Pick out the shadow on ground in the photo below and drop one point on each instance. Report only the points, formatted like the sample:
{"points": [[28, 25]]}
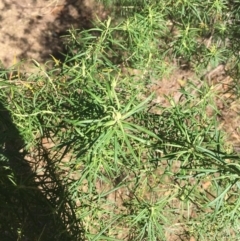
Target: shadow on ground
{"points": [[33, 206], [33, 29]]}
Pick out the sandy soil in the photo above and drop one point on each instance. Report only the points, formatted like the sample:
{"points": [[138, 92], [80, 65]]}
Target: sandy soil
{"points": [[32, 28]]}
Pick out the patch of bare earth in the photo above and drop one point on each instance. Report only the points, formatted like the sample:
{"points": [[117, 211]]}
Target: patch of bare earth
{"points": [[32, 29], [227, 103]]}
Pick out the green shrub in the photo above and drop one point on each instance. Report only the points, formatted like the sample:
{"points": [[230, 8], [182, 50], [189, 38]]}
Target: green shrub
{"points": [[136, 170]]}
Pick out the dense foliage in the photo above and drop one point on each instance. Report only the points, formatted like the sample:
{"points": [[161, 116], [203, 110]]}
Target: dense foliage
{"points": [[123, 166]]}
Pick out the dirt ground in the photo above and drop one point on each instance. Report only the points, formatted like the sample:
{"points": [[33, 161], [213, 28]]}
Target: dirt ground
{"points": [[32, 29]]}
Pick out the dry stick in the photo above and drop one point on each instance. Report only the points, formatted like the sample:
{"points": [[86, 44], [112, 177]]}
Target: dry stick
{"points": [[219, 70]]}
